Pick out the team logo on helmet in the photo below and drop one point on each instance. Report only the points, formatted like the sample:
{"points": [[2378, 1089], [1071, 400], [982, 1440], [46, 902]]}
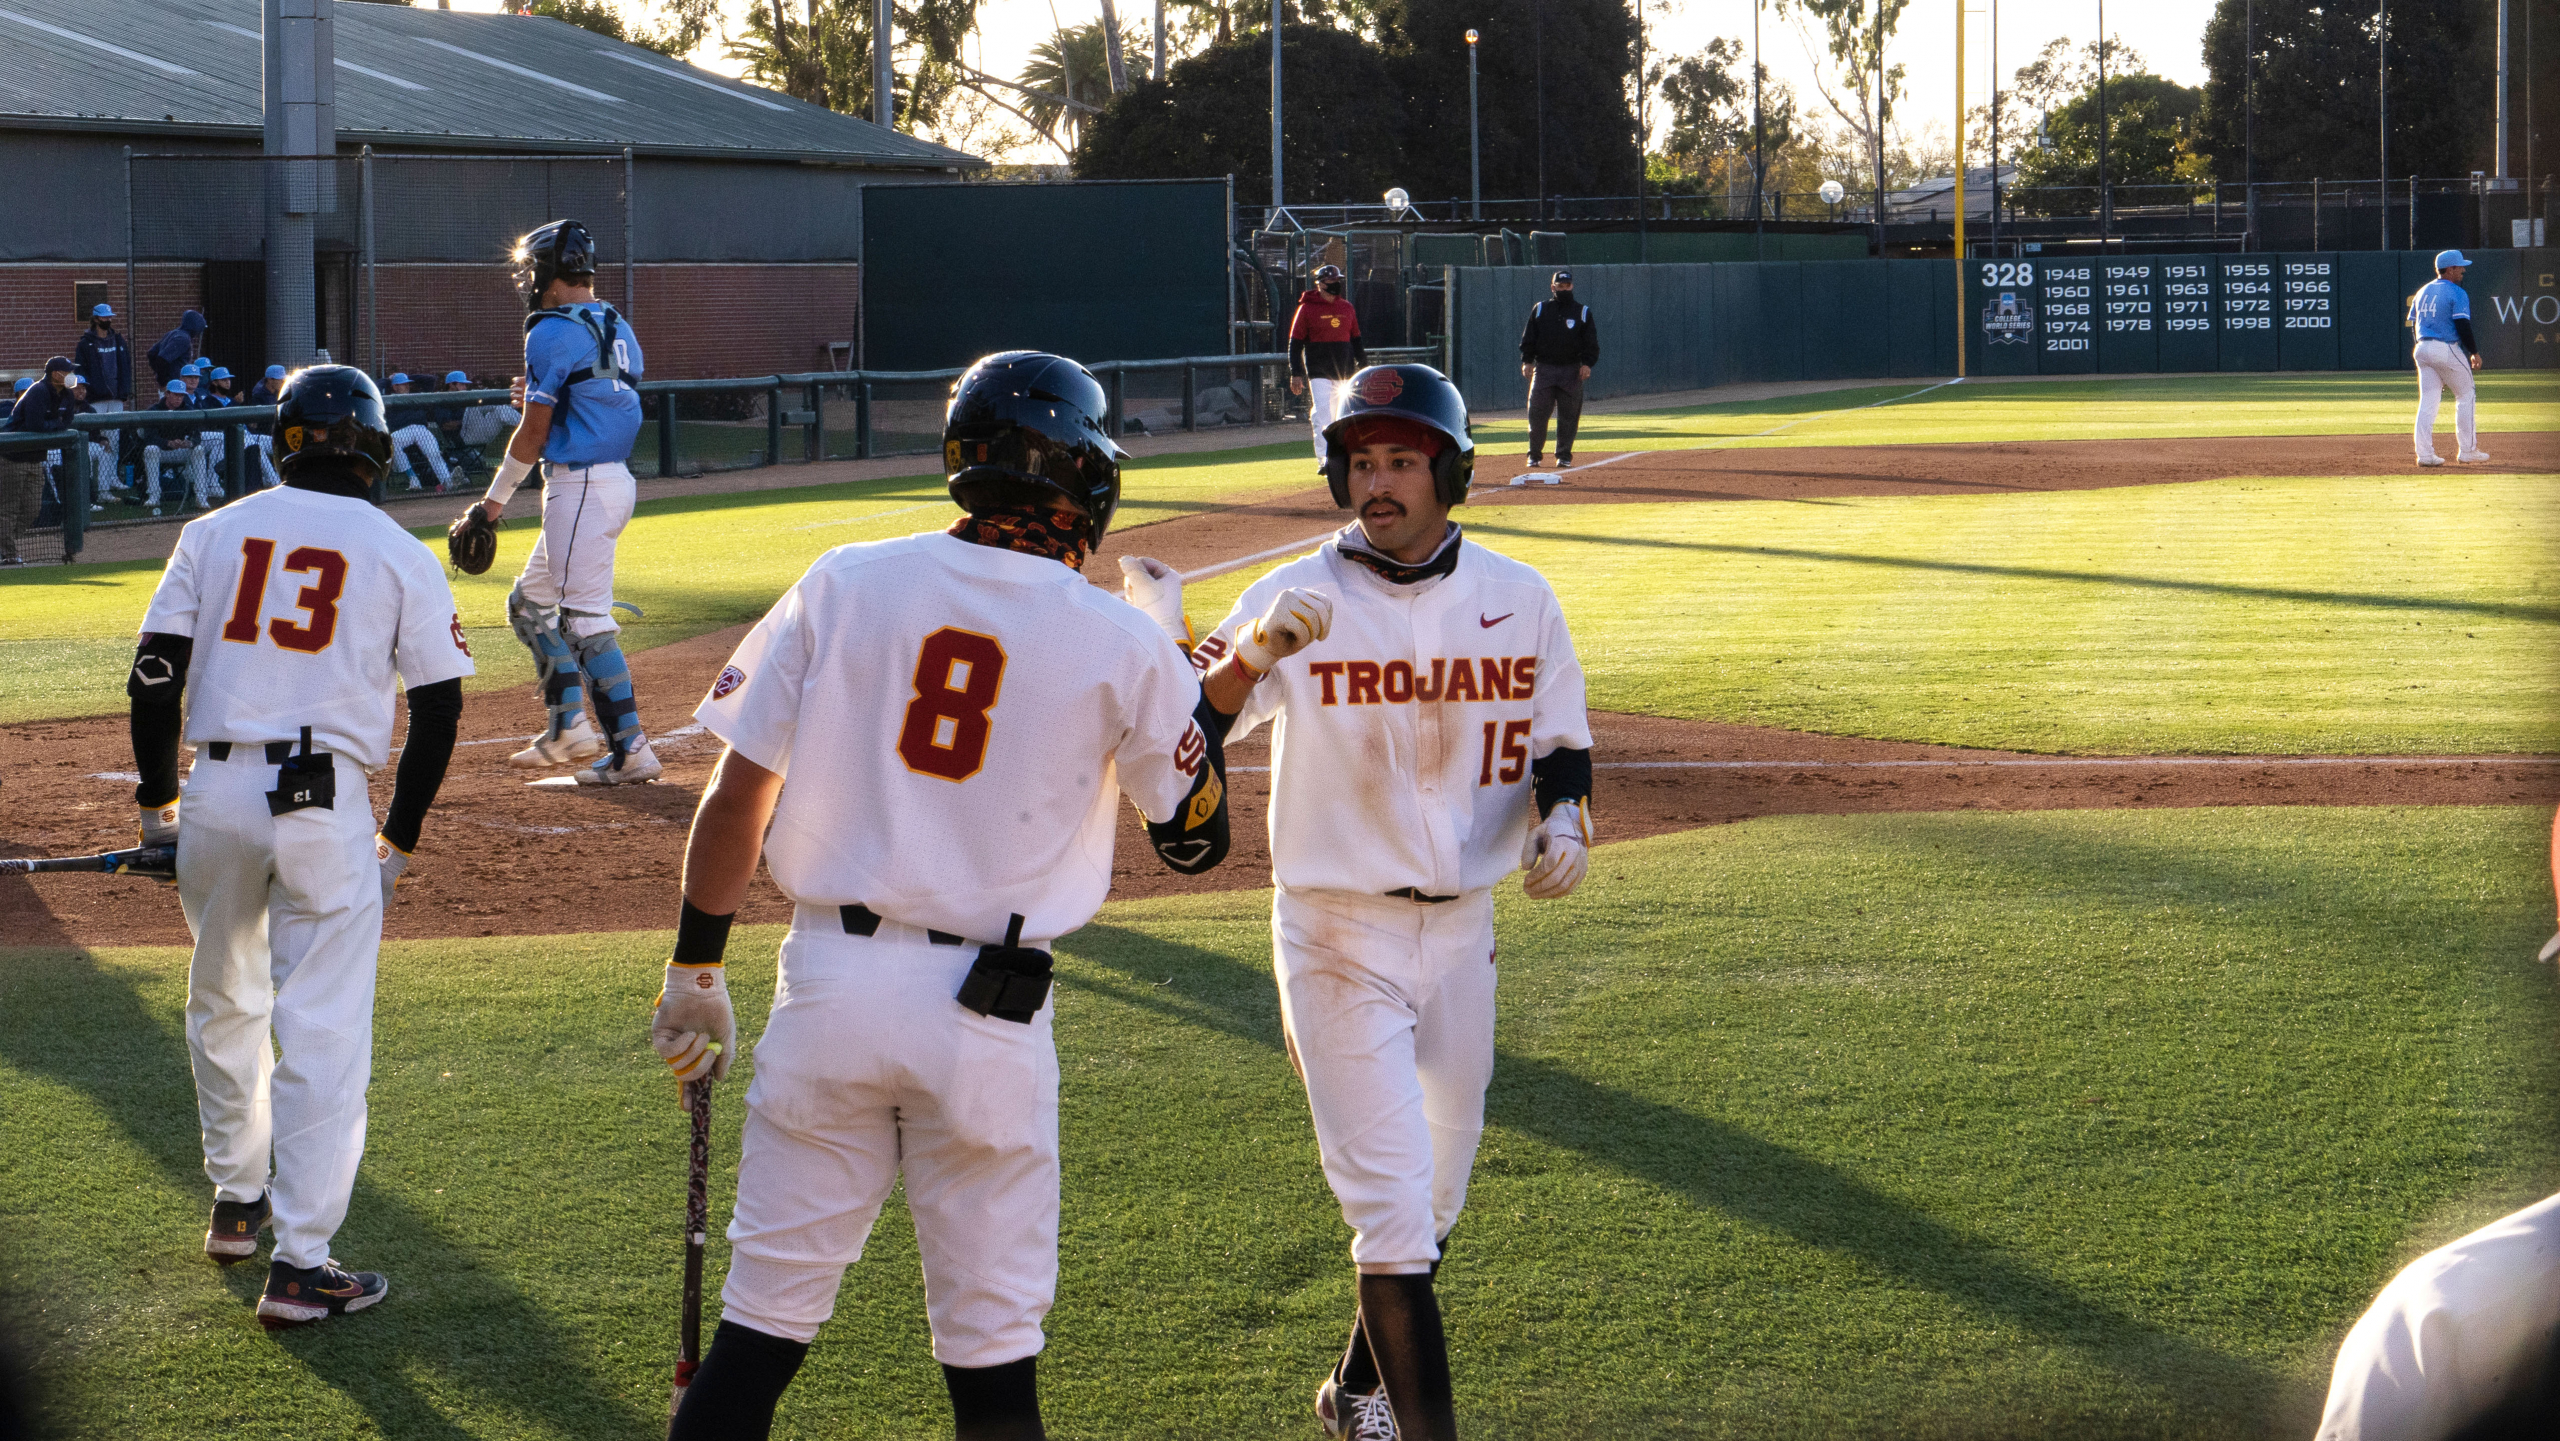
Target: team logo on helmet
{"points": [[292, 438], [1380, 386]]}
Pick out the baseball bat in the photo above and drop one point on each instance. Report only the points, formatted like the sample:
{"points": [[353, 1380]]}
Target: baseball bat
{"points": [[159, 863], [697, 1221]]}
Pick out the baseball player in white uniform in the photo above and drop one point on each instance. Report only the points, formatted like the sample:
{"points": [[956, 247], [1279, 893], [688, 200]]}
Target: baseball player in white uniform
{"points": [[277, 632], [580, 417], [2446, 353], [935, 729], [1429, 735]]}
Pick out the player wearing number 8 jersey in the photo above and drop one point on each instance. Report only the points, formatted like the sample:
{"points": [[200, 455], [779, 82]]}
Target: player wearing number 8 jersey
{"points": [[1429, 729], [277, 632], [928, 736]]}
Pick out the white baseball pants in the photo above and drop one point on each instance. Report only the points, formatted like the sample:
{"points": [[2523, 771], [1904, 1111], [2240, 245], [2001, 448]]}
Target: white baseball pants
{"points": [[1387, 1008], [2442, 366], [870, 1068], [190, 463], [2457, 1333], [423, 440], [584, 508], [1323, 403], [287, 916]]}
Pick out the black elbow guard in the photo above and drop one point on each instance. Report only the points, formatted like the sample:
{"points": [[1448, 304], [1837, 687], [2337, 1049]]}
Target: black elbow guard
{"points": [[1194, 838], [159, 675], [1561, 775]]}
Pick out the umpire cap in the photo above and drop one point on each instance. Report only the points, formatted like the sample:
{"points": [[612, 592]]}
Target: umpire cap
{"points": [[331, 412], [1025, 425], [551, 252], [1416, 393]]}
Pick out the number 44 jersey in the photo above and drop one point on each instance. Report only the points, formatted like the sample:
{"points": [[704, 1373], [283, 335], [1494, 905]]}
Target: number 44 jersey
{"points": [[951, 722], [306, 609]]}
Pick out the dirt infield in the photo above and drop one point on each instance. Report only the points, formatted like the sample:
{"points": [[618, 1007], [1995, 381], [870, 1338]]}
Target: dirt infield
{"points": [[500, 857]]}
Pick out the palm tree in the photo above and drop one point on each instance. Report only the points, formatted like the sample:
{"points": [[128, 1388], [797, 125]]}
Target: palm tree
{"points": [[1069, 64]]}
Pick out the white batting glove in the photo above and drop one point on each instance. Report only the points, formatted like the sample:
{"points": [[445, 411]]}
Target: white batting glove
{"points": [[158, 825], [394, 861], [1298, 618], [695, 1028], [1156, 588], [1558, 853]]}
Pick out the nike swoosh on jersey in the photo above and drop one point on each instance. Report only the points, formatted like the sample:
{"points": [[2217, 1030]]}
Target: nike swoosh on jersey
{"points": [[1497, 620]]}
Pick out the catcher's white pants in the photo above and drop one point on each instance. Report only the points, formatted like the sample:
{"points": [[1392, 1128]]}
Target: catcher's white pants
{"points": [[423, 439], [287, 916], [190, 463], [584, 508], [2461, 1330], [1324, 398], [868, 1068], [1387, 1007], [2442, 366]]}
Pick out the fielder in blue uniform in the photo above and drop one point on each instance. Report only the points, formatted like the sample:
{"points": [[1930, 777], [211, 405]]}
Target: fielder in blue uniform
{"points": [[2446, 354], [580, 417]]}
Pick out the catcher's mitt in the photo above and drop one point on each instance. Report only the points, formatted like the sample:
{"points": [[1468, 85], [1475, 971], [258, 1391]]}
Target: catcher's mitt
{"points": [[473, 541]]}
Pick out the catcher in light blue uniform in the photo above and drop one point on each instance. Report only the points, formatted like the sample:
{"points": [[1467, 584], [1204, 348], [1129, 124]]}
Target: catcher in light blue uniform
{"points": [[580, 418], [2446, 354]]}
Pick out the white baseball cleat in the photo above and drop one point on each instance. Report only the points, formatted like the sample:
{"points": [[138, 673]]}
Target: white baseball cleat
{"points": [[2431, 460], [630, 769], [2472, 457], [577, 743]]}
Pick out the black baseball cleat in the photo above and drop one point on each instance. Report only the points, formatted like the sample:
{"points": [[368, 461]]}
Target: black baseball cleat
{"points": [[232, 1236], [297, 1297], [1563, 460], [1354, 1415]]}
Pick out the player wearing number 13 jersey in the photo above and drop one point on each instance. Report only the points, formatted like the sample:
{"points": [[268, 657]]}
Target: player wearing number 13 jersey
{"points": [[937, 728], [278, 633]]}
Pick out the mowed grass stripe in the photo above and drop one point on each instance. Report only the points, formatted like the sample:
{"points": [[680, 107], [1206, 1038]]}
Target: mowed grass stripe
{"points": [[2099, 1124], [2273, 616]]}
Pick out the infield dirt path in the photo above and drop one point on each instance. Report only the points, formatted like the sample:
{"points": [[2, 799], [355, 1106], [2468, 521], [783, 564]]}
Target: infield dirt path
{"points": [[503, 858]]}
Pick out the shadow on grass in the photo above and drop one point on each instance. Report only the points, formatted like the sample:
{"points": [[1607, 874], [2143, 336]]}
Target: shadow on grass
{"points": [[1716, 1166], [451, 1319], [2494, 609]]}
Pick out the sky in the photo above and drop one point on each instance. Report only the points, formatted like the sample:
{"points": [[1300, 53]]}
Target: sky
{"points": [[2167, 34]]}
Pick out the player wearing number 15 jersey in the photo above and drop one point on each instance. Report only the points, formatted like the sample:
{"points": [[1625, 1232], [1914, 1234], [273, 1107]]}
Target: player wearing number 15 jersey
{"points": [[936, 729], [278, 632]]}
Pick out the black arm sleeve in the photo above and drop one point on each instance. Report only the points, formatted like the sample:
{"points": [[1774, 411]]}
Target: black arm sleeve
{"points": [[1359, 353], [2462, 332], [1561, 775], [157, 682], [1529, 338], [1194, 838], [1590, 338], [1298, 358], [435, 712]]}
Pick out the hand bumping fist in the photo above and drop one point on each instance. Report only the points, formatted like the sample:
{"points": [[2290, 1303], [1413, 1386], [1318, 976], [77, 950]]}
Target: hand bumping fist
{"points": [[1156, 588], [1298, 618]]}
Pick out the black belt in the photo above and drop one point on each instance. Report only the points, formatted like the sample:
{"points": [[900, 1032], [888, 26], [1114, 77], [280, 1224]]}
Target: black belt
{"points": [[1409, 893], [278, 752], [864, 921]]}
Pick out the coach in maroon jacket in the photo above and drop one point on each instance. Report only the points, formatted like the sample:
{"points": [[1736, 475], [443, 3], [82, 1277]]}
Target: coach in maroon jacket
{"points": [[1324, 349]]}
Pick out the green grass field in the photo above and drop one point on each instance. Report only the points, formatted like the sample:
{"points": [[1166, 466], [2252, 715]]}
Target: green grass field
{"points": [[2089, 1124]]}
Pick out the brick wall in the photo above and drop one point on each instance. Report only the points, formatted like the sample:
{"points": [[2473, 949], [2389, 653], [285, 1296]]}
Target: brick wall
{"points": [[695, 320], [37, 319]]}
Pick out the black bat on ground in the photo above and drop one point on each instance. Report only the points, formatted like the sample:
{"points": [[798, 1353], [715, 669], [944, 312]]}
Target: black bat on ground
{"points": [[697, 1222], [159, 863]]}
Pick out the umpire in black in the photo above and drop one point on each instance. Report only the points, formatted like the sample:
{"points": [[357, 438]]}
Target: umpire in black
{"points": [[1558, 347]]}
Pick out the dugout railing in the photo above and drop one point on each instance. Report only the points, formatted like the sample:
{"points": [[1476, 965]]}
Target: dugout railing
{"points": [[696, 426]]}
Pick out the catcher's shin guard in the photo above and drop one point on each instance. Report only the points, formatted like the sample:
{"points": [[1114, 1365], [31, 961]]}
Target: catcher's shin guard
{"points": [[600, 656], [563, 694]]}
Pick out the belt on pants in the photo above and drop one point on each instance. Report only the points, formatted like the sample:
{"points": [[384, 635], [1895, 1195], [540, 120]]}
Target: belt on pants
{"points": [[277, 752], [860, 920], [1410, 893]]}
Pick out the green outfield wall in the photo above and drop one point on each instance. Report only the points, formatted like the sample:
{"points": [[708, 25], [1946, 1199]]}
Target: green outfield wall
{"points": [[1688, 327]]}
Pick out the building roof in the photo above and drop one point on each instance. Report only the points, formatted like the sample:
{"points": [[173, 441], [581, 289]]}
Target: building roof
{"points": [[411, 77]]}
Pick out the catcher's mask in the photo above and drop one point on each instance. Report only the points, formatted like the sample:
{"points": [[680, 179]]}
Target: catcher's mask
{"points": [[331, 412], [559, 250], [1416, 393], [1024, 426]]}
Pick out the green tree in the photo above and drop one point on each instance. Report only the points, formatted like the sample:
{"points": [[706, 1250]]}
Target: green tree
{"points": [[1064, 81], [1211, 115], [823, 54], [2317, 111], [1857, 35], [2150, 128], [1586, 52], [1707, 146], [688, 21]]}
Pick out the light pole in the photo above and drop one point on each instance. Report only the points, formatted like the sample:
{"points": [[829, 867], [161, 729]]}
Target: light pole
{"points": [[1275, 110], [2106, 206], [1880, 128], [1759, 237], [2382, 120], [1475, 139]]}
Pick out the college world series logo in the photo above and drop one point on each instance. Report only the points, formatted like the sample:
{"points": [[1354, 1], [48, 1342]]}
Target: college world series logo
{"points": [[2007, 322]]}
